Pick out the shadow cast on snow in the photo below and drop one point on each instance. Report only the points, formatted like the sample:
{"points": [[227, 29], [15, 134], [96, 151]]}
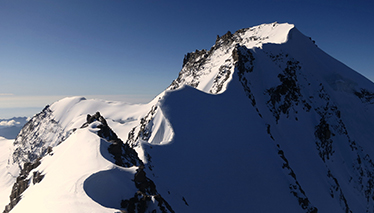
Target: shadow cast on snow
{"points": [[109, 187]]}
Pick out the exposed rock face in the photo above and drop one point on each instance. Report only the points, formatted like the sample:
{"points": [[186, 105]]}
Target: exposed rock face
{"points": [[365, 96], [295, 93], [143, 198], [283, 134], [287, 94], [201, 64], [23, 182], [41, 132], [34, 141], [126, 156], [244, 60], [198, 65], [295, 186], [122, 153]]}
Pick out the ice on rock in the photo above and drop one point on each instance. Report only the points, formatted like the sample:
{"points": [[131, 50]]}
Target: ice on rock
{"points": [[264, 121]]}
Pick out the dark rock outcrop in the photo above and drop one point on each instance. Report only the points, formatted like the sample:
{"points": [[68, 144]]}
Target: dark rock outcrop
{"points": [[123, 154], [295, 187], [365, 96], [41, 132], [287, 94], [22, 183], [146, 190]]}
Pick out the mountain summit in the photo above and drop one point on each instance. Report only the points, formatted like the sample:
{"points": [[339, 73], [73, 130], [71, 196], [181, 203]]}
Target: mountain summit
{"points": [[264, 121]]}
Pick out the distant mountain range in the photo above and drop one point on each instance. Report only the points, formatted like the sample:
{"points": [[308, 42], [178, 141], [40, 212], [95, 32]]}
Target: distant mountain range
{"points": [[9, 128], [264, 121]]}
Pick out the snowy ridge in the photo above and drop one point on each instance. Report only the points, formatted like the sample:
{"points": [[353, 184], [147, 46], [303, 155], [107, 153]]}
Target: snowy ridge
{"points": [[264, 121], [66, 171], [210, 71], [159, 129], [61, 123], [56, 122]]}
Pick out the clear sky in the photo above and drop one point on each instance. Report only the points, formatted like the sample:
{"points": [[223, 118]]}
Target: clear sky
{"points": [[131, 50]]}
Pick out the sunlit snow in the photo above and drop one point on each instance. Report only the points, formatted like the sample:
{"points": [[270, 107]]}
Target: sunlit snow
{"points": [[264, 122]]}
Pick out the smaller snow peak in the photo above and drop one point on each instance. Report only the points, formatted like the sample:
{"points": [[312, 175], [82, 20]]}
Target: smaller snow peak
{"points": [[66, 103], [36, 136], [105, 131], [95, 117], [74, 99], [123, 155]]}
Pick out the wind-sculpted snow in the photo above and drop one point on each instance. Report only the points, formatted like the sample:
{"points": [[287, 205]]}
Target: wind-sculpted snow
{"points": [[264, 121], [305, 99], [229, 155], [157, 129], [108, 187], [48, 130], [72, 162], [146, 197]]}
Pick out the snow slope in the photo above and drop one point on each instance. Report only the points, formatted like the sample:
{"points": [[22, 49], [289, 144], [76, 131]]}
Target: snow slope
{"points": [[74, 159], [6, 177], [264, 121], [66, 171], [220, 161]]}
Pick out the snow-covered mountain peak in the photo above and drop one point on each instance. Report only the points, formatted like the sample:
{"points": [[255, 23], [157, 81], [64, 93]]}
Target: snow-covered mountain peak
{"points": [[255, 37], [264, 121], [210, 71]]}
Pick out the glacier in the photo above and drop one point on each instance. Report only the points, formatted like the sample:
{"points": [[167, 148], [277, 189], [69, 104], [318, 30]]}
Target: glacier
{"points": [[264, 121]]}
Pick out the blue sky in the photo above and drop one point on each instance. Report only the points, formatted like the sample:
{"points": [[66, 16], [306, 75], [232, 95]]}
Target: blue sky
{"points": [[132, 50]]}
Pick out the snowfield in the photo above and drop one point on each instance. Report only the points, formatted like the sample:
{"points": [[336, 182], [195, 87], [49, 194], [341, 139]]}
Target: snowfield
{"points": [[72, 174], [264, 121], [6, 176]]}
